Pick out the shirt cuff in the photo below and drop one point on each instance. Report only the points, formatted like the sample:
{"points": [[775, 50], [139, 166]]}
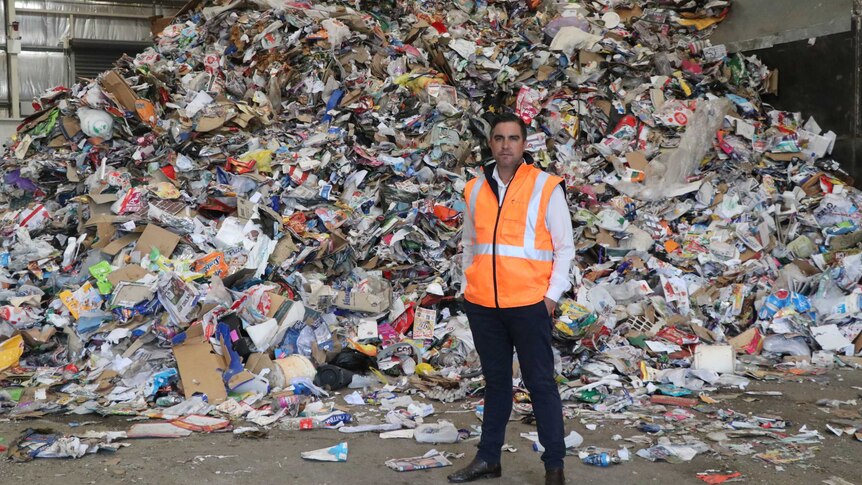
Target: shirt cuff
{"points": [[554, 293]]}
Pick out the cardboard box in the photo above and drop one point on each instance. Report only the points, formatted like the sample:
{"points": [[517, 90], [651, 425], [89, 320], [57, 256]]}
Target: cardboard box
{"points": [[376, 300]]}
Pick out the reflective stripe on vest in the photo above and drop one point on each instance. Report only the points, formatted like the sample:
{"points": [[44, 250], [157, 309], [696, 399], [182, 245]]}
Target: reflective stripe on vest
{"points": [[514, 252]]}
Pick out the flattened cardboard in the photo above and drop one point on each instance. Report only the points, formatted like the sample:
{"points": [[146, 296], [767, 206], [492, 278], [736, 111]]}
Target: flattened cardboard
{"points": [[158, 24], [117, 245], [637, 161], [101, 199], [210, 123], [104, 233], [749, 342], [812, 185], [284, 249], [72, 173], [605, 238], [35, 337], [245, 209], [784, 157], [128, 273], [587, 57], [200, 367], [156, 237], [116, 86], [627, 14], [807, 268]]}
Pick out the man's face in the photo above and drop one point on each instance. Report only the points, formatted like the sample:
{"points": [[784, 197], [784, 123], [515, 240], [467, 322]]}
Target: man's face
{"points": [[507, 144]]}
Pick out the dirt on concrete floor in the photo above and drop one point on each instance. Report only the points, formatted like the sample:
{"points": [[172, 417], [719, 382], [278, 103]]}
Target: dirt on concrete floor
{"points": [[221, 458]]}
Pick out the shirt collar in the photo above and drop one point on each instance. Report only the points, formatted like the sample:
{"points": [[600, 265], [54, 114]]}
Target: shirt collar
{"points": [[496, 174]]}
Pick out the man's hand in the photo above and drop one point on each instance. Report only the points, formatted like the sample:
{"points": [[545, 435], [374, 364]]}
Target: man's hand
{"points": [[550, 305]]}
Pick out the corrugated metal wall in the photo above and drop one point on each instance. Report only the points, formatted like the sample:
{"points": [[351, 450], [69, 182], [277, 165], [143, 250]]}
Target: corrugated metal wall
{"points": [[49, 30]]}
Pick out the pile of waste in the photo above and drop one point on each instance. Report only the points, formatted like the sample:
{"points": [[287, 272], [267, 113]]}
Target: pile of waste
{"points": [[265, 207]]}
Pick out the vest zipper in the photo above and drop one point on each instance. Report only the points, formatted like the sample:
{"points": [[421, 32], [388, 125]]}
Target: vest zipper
{"points": [[494, 245]]}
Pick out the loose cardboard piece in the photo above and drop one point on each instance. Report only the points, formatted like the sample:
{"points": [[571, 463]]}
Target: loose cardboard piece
{"points": [[245, 209], [104, 233], [156, 237], [128, 273], [606, 239], [749, 342], [116, 86], [72, 173], [200, 367], [627, 14], [240, 377], [284, 249], [158, 24], [117, 245], [587, 57], [637, 161], [376, 300]]}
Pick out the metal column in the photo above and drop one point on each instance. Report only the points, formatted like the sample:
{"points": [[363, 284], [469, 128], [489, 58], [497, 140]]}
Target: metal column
{"points": [[13, 48], [857, 85]]}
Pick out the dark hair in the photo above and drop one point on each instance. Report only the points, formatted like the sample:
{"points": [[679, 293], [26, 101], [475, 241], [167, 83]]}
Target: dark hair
{"points": [[509, 118]]}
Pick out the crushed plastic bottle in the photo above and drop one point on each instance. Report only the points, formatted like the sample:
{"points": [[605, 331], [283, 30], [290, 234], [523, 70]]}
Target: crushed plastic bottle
{"points": [[601, 459]]}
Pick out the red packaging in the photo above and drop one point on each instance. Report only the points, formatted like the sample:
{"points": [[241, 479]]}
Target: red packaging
{"points": [[404, 321]]}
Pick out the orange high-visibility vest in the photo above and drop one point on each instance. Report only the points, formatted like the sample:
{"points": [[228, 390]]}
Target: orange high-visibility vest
{"points": [[513, 252]]}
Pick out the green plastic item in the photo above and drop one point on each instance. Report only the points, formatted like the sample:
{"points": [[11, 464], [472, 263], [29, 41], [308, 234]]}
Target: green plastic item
{"points": [[590, 396], [100, 272], [737, 69]]}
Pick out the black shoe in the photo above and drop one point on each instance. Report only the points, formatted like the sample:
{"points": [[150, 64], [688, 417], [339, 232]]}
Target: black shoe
{"points": [[555, 477], [476, 470]]}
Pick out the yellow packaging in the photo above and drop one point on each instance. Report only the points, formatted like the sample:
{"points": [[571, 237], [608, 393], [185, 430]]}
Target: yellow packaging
{"points": [[10, 351]]}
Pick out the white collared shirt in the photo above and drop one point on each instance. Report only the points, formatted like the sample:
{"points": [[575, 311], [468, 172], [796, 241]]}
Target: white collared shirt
{"points": [[559, 223]]}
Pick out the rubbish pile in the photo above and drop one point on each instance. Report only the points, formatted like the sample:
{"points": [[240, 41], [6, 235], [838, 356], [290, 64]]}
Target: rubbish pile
{"points": [[265, 207]]}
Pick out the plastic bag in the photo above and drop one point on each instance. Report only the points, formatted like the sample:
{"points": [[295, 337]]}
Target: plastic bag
{"points": [[697, 140], [440, 432]]}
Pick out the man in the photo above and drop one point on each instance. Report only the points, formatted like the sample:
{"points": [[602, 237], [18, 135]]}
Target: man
{"points": [[518, 248]]}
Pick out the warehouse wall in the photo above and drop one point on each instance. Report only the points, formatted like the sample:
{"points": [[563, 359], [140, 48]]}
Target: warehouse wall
{"points": [[817, 47], [46, 27], [818, 80]]}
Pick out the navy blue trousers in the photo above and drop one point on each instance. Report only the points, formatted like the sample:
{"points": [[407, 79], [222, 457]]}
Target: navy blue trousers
{"points": [[496, 332]]}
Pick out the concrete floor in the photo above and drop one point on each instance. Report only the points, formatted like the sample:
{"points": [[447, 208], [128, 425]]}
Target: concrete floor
{"points": [[222, 459]]}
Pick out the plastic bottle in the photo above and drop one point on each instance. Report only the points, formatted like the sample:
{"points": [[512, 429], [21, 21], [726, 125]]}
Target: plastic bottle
{"points": [[294, 403], [293, 424], [168, 401], [601, 459]]}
